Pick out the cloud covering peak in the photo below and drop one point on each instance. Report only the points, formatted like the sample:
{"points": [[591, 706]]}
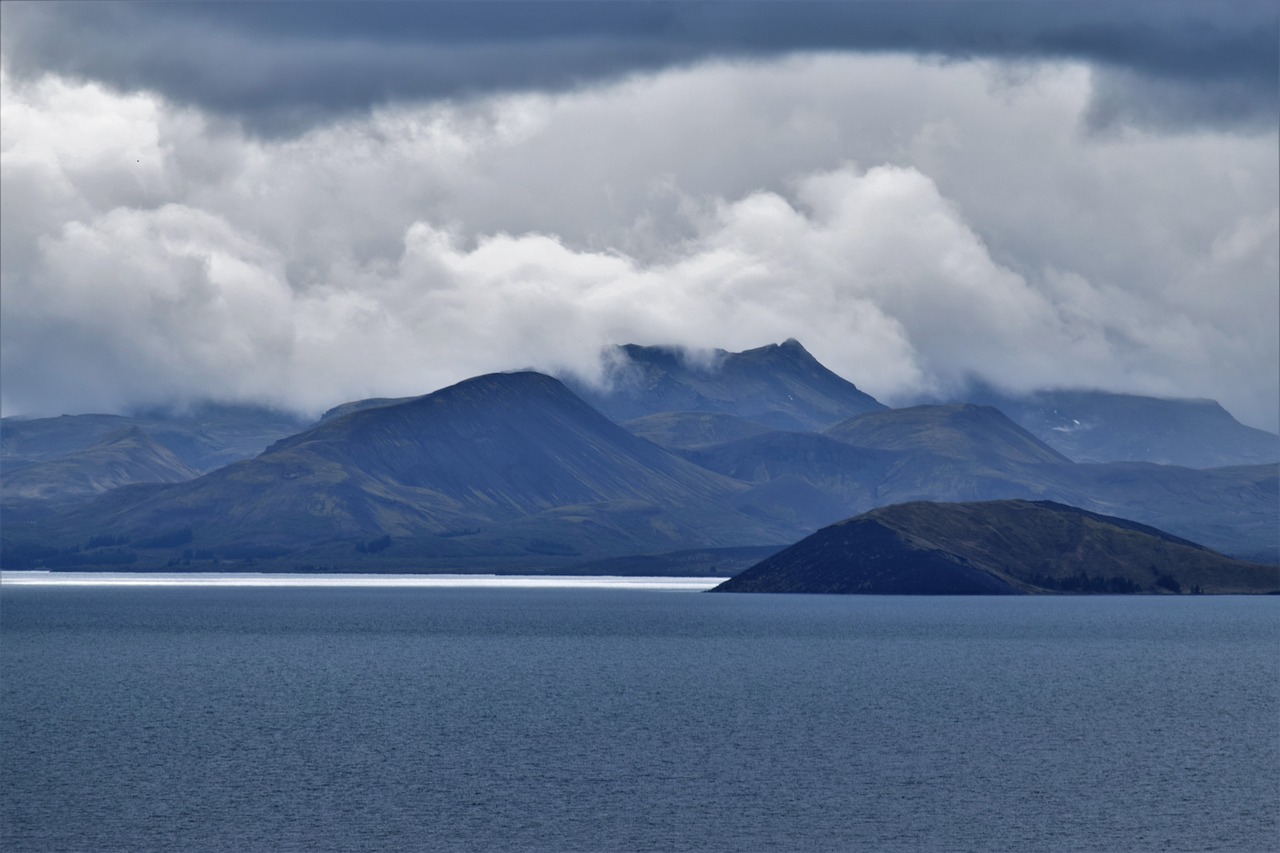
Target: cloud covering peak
{"points": [[916, 224]]}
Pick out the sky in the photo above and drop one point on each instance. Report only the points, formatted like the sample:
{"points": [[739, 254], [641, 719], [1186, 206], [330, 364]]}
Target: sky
{"points": [[302, 204]]}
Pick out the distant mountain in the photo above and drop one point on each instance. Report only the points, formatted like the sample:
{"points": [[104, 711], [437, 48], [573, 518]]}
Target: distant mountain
{"points": [[780, 386], [506, 464], [1095, 426], [975, 453], [203, 438], [513, 472], [952, 453], [129, 456], [502, 445], [964, 431], [1235, 509], [682, 430], [998, 548], [850, 476]]}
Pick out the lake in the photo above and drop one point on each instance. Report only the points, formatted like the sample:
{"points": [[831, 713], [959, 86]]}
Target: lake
{"points": [[545, 718]]}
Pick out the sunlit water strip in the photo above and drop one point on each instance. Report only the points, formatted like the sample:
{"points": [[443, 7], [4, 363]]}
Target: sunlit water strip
{"points": [[667, 584]]}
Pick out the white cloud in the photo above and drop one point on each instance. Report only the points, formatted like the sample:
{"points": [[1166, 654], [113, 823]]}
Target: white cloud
{"points": [[911, 223]]}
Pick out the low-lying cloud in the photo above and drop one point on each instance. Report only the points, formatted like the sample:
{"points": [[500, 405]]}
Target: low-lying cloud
{"points": [[914, 225]]}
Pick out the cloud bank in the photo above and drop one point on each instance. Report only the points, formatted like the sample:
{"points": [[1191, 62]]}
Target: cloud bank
{"points": [[915, 224]]}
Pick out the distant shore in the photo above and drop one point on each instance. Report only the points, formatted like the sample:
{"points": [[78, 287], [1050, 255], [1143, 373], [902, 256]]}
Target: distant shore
{"points": [[298, 579]]}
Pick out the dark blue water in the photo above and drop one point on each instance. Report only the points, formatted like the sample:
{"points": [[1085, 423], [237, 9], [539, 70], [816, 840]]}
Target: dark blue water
{"points": [[562, 720]]}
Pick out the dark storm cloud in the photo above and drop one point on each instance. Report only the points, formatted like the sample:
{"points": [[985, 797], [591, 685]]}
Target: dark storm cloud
{"points": [[284, 66]]}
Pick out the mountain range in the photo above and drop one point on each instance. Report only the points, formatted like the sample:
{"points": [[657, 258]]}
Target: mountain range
{"points": [[526, 472], [500, 466]]}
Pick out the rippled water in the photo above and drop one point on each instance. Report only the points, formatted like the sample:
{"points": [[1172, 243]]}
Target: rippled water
{"points": [[604, 719]]}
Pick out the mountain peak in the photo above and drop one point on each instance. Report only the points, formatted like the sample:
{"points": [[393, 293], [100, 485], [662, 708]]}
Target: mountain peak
{"points": [[780, 386], [789, 350]]}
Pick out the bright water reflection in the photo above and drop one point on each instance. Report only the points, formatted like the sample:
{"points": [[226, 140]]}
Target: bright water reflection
{"points": [[251, 579]]}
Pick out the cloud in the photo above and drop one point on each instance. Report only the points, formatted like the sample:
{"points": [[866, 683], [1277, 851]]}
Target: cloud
{"points": [[914, 224], [282, 67]]}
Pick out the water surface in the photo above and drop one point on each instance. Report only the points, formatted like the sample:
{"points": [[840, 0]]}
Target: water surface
{"points": [[212, 718]]}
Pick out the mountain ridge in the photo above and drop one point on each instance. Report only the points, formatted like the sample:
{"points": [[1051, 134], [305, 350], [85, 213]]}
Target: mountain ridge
{"points": [[514, 465]]}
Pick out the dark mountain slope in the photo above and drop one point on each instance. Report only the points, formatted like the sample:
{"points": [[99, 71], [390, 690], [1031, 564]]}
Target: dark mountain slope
{"points": [[500, 464], [998, 547], [1095, 426], [503, 445], [780, 385]]}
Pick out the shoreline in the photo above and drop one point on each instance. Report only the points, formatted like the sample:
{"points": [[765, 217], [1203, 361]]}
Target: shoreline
{"points": [[45, 578]]}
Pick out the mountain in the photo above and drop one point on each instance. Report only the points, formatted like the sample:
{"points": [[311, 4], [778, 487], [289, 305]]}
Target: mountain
{"points": [[204, 438], [780, 386], [682, 430], [849, 476], [128, 456], [502, 445], [997, 548], [960, 452], [965, 431], [514, 472], [966, 453], [1095, 426], [1235, 509], [360, 405], [505, 465], [952, 453]]}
